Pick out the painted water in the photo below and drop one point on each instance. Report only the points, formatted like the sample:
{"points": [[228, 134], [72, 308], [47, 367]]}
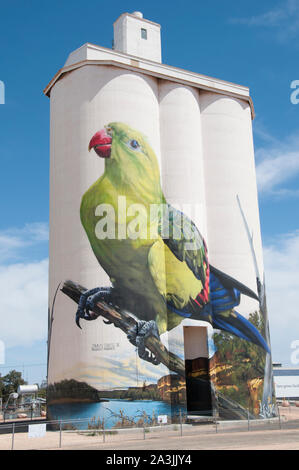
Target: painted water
{"points": [[110, 411]]}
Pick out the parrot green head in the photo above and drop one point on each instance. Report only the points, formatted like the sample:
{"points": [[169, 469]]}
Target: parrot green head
{"points": [[130, 162]]}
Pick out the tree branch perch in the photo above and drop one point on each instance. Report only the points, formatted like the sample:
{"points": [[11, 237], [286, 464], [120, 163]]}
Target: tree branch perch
{"points": [[125, 322]]}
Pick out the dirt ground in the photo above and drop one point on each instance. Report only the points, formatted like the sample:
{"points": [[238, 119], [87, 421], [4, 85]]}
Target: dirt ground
{"points": [[262, 435]]}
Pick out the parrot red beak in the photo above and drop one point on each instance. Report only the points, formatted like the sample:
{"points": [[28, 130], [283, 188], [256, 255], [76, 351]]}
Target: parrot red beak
{"points": [[101, 143]]}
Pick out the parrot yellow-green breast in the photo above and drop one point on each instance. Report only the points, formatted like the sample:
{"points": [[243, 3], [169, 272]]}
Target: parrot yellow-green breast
{"points": [[121, 216]]}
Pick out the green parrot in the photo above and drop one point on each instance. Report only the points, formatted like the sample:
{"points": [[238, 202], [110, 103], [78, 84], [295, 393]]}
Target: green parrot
{"points": [[154, 255]]}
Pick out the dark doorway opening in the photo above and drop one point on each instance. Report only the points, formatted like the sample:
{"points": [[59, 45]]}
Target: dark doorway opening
{"points": [[198, 384]]}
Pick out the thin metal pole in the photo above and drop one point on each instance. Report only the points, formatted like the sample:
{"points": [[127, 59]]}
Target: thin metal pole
{"points": [[104, 435], [143, 431], [181, 425], [13, 436], [60, 434], [279, 416]]}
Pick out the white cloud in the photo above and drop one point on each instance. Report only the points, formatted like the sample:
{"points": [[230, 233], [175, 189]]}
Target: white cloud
{"points": [[23, 286], [277, 169], [283, 18], [261, 131], [37, 231], [282, 286], [277, 164], [14, 240], [23, 303]]}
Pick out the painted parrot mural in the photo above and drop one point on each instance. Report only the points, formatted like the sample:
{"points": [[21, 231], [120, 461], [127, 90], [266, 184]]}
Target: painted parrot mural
{"points": [[156, 276]]}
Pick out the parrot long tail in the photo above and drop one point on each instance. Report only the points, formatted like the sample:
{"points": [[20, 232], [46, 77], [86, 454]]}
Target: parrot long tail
{"points": [[239, 326], [225, 294]]}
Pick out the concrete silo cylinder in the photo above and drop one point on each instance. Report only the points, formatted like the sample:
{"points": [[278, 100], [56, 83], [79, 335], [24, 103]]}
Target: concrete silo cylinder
{"points": [[230, 171], [181, 149], [82, 102]]}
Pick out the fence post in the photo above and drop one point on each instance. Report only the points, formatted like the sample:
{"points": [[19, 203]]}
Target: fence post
{"points": [[13, 436], [279, 416], [60, 434], [181, 424]]}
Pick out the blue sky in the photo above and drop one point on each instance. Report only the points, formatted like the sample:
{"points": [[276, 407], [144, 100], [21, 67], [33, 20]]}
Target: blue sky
{"points": [[251, 43]]}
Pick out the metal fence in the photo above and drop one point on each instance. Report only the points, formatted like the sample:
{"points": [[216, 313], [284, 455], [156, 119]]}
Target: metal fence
{"points": [[93, 432], [13, 414]]}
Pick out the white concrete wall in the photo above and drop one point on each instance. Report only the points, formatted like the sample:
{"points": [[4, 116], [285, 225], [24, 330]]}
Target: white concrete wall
{"points": [[195, 342], [230, 171], [183, 179], [127, 37], [182, 161], [81, 104]]}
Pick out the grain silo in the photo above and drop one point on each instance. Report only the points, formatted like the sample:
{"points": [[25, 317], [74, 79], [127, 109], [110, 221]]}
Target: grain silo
{"points": [[171, 311]]}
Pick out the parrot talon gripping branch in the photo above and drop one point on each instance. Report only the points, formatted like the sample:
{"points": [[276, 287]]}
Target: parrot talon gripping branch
{"points": [[147, 140], [128, 324], [137, 336], [88, 300]]}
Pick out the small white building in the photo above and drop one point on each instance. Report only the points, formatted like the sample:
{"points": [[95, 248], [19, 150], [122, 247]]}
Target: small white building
{"points": [[286, 381]]}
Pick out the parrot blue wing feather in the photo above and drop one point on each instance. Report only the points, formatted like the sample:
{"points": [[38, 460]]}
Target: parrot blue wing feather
{"points": [[224, 299], [249, 332], [182, 312], [229, 282], [225, 291]]}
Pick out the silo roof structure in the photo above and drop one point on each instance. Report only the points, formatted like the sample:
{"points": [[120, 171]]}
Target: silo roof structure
{"points": [[91, 54]]}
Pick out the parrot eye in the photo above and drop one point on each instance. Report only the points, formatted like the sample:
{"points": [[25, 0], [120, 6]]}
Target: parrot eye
{"points": [[134, 144]]}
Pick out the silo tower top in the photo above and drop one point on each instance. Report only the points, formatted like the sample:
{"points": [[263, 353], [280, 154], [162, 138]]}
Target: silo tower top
{"points": [[137, 36]]}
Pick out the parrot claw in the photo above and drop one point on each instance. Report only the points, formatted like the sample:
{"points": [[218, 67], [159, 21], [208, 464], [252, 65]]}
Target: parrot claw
{"points": [[78, 320], [137, 335], [88, 300]]}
